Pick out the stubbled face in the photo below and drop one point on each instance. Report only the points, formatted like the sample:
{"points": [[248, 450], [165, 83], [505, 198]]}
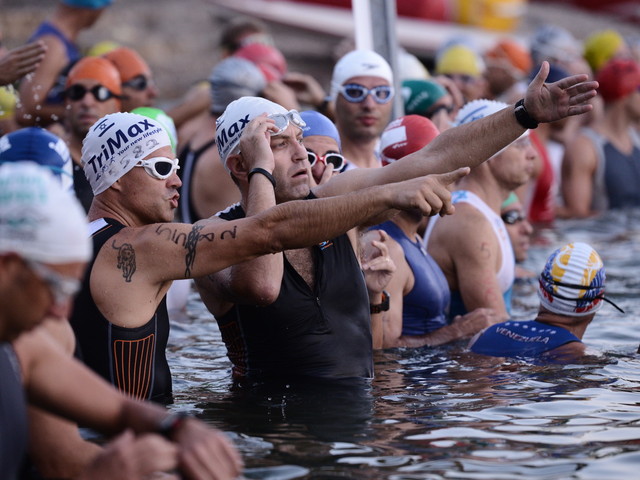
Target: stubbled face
{"points": [[320, 145], [365, 120], [514, 166], [292, 169], [84, 112]]}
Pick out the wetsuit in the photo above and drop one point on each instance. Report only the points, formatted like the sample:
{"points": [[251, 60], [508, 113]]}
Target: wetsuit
{"points": [[188, 159], [82, 187], [507, 272], [521, 339], [132, 359], [424, 308], [13, 415], [323, 334], [56, 94]]}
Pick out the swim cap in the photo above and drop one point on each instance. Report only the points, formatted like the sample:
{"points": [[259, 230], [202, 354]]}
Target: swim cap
{"points": [[163, 119], [92, 4], [235, 118], [459, 60], [511, 55], [268, 59], [128, 62], [572, 281], [404, 136], [38, 219], [420, 95], [318, 124], [8, 101], [100, 48], [553, 43], [114, 145], [556, 72], [359, 63], [98, 69], [232, 78], [600, 47], [511, 199], [618, 79], [410, 67], [38, 145]]}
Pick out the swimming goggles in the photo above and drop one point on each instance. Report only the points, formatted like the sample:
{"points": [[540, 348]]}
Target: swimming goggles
{"points": [[100, 93], [62, 287], [159, 167], [282, 121], [334, 159], [356, 93], [511, 217], [139, 83]]}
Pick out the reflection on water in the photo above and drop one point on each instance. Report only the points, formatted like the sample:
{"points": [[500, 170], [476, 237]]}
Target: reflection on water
{"points": [[444, 413]]}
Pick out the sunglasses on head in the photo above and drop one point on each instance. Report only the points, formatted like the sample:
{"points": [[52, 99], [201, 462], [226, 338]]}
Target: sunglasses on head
{"points": [[139, 83], [282, 121], [159, 167], [511, 217], [99, 92], [356, 93], [334, 159], [62, 287]]}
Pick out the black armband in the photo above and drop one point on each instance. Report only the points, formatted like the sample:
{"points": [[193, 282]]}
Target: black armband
{"points": [[262, 171], [523, 117]]}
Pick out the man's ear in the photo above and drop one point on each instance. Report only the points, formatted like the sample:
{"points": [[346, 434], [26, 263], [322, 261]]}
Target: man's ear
{"points": [[237, 166]]}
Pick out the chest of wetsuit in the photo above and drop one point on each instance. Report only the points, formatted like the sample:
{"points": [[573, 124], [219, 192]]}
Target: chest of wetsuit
{"points": [[424, 308], [13, 415], [188, 160], [321, 333], [521, 339], [132, 359], [622, 176]]}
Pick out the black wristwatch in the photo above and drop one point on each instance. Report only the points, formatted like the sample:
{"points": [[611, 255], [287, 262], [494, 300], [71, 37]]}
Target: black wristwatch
{"points": [[170, 424], [523, 117], [383, 306]]}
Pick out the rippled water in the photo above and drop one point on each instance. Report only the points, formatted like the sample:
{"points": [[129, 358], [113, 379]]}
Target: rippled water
{"points": [[443, 413]]}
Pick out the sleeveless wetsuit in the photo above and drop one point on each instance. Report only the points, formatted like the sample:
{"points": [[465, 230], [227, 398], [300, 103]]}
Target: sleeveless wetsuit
{"points": [[14, 431], [324, 333], [506, 273], [521, 339], [424, 308], [617, 176], [188, 159], [132, 359], [56, 94]]}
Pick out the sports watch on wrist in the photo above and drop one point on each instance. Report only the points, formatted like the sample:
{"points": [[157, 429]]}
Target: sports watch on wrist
{"points": [[523, 117], [382, 306]]}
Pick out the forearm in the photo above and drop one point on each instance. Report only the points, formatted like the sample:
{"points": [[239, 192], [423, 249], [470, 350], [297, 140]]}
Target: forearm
{"points": [[443, 335]]}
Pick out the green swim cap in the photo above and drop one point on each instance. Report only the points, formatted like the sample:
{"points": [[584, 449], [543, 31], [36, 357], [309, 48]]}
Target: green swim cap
{"points": [[163, 119], [420, 95]]}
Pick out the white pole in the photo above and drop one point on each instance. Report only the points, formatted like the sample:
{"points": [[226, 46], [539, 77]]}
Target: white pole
{"points": [[362, 24]]}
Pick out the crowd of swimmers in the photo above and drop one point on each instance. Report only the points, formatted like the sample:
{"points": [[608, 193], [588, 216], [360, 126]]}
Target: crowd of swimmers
{"points": [[314, 227]]}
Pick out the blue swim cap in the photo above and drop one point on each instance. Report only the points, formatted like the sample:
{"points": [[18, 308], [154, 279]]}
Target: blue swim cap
{"points": [[42, 147], [92, 4], [318, 124]]}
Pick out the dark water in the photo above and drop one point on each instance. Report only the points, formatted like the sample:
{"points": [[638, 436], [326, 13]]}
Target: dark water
{"points": [[444, 413]]}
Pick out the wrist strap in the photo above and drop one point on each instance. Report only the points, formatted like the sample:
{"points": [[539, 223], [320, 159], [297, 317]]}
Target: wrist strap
{"points": [[171, 424], [523, 117], [262, 171]]}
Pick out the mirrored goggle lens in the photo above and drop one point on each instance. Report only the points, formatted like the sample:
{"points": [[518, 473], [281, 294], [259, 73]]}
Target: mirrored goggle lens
{"points": [[99, 92], [511, 217], [139, 82], [356, 93], [159, 167]]}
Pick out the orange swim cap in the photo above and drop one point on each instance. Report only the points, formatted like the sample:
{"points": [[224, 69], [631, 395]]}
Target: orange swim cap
{"points": [[98, 69], [512, 54], [128, 62]]}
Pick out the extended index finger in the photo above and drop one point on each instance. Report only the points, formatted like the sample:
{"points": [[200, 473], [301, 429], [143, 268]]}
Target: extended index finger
{"points": [[453, 176]]}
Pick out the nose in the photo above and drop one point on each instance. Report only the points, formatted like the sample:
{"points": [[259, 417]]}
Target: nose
{"points": [[526, 227], [300, 152], [368, 101], [174, 180]]}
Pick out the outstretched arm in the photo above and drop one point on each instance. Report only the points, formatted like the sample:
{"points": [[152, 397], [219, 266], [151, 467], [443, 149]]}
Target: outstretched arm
{"points": [[20, 62], [472, 143]]}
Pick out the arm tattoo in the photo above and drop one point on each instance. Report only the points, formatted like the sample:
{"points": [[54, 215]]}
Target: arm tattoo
{"points": [[126, 259], [190, 246]]}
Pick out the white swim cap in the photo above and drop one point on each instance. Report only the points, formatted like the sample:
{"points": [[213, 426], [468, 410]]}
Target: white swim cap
{"points": [[237, 115], [116, 143], [38, 219], [359, 63]]}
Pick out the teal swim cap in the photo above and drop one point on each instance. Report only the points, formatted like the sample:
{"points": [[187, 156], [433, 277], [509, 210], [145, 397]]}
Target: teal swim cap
{"points": [[92, 4]]}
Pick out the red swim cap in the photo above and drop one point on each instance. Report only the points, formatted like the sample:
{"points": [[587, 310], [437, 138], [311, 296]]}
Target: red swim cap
{"points": [[618, 79], [406, 135], [269, 59]]}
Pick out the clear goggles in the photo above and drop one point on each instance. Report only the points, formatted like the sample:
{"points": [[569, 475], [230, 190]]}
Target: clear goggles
{"points": [[159, 167], [334, 159], [356, 93], [282, 121], [62, 287]]}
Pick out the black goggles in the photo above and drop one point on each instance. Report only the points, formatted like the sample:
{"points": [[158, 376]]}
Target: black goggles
{"points": [[511, 217], [356, 93], [139, 83], [546, 283], [99, 92], [334, 159]]}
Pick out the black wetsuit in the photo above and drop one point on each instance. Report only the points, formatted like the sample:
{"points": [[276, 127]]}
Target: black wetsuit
{"points": [[13, 415], [188, 159], [132, 359], [324, 333]]}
